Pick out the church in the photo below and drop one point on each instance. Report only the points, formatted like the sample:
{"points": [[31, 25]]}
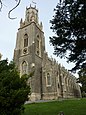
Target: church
{"points": [[50, 80]]}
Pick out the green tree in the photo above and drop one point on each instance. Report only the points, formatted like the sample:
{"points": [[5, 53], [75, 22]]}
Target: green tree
{"points": [[82, 80], [13, 89], [69, 25]]}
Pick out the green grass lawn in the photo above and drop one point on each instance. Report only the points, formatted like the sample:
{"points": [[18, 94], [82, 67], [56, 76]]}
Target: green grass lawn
{"points": [[69, 107]]}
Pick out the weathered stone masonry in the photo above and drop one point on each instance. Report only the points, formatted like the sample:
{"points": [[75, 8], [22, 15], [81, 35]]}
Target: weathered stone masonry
{"points": [[50, 80]]}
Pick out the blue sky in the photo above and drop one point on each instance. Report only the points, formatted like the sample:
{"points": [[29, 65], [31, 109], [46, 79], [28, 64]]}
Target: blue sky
{"points": [[9, 28]]}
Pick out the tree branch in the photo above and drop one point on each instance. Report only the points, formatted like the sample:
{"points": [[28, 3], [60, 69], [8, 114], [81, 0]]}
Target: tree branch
{"points": [[13, 9], [0, 5]]}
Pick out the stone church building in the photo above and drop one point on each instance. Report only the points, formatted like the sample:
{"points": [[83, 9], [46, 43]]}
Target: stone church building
{"points": [[50, 80]]}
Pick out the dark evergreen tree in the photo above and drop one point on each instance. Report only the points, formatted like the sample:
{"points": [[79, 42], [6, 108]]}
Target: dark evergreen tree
{"points": [[82, 80], [69, 25], [13, 89]]}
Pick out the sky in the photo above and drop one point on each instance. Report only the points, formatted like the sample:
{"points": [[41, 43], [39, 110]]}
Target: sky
{"points": [[9, 28]]}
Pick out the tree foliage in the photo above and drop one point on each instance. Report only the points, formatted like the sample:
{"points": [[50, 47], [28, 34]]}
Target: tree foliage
{"points": [[13, 89], [82, 80], [69, 25]]}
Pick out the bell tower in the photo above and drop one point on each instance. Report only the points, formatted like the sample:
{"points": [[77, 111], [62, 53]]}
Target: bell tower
{"points": [[29, 50], [31, 14]]}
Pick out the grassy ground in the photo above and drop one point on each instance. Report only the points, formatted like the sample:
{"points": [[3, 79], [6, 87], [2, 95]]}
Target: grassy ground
{"points": [[69, 107]]}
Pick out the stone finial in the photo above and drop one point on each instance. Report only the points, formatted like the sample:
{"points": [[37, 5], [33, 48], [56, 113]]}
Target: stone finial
{"points": [[0, 56], [41, 25], [21, 20], [30, 5], [21, 23], [35, 7]]}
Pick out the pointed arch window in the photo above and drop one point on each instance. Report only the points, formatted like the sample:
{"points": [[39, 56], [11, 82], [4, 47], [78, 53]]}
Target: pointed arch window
{"points": [[48, 80], [25, 40], [38, 45], [24, 67]]}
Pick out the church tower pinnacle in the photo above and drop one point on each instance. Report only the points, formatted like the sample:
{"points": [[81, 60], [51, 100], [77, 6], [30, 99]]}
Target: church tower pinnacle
{"points": [[31, 14], [0, 56]]}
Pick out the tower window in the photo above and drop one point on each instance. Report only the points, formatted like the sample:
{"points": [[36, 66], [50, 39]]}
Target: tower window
{"points": [[38, 44], [37, 47], [25, 40]]}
